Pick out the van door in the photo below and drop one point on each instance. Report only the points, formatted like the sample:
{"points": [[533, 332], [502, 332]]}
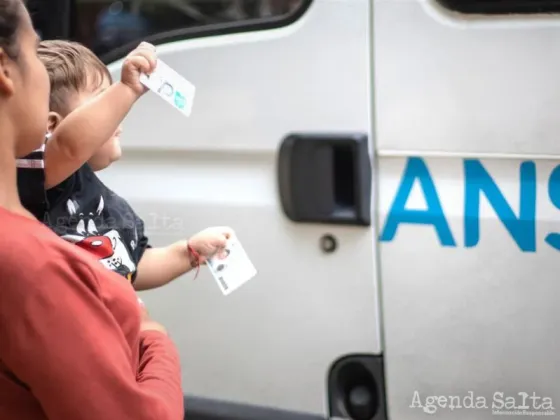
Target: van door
{"points": [[279, 147], [467, 100]]}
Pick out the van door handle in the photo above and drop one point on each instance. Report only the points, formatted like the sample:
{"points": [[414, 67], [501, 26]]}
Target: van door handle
{"points": [[325, 178]]}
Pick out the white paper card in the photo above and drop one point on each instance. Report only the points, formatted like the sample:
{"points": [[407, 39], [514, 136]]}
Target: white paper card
{"points": [[232, 268], [171, 87]]}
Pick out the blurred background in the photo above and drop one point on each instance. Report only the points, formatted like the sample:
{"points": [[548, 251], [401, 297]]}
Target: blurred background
{"points": [[105, 25]]}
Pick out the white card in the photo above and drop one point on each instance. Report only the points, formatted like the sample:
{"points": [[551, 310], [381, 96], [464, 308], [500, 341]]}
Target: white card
{"points": [[232, 268], [171, 87]]}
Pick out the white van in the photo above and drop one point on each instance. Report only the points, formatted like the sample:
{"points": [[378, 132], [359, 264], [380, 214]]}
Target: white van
{"points": [[392, 169]]}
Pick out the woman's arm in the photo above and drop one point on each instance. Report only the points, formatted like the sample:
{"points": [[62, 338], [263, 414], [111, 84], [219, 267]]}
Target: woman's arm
{"points": [[59, 338]]}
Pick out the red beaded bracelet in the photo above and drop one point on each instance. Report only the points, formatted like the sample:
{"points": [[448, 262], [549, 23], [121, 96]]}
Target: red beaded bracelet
{"points": [[194, 258]]}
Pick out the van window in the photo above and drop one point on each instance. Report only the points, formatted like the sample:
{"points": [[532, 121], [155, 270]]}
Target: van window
{"points": [[49, 18], [502, 6], [108, 26]]}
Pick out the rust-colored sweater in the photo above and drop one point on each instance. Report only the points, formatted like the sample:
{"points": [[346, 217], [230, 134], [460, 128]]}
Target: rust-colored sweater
{"points": [[70, 341]]}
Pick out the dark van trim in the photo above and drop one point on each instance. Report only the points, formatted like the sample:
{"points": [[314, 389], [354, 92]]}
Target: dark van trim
{"points": [[212, 30], [502, 7]]}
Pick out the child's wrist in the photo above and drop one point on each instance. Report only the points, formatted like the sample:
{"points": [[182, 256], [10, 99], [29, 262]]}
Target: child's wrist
{"points": [[193, 256], [128, 90]]}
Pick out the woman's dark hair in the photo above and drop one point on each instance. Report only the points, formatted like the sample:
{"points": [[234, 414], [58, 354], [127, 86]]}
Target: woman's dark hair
{"points": [[10, 11]]}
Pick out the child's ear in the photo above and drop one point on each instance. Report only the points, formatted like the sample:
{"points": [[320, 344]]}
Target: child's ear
{"points": [[54, 120]]}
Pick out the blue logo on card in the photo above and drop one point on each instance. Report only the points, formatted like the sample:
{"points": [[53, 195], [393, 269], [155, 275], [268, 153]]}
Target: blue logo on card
{"points": [[180, 100]]}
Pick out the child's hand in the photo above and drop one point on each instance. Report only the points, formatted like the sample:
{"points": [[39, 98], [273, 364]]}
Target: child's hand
{"points": [[209, 242], [142, 60]]}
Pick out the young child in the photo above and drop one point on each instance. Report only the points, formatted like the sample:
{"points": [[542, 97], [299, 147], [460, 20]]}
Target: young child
{"points": [[58, 182]]}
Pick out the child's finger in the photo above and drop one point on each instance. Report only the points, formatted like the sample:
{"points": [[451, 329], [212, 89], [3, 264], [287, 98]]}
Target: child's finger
{"points": [[227, 232], [148, 55], [141, 63], [217, 243], [220, 253], [147, 45]]}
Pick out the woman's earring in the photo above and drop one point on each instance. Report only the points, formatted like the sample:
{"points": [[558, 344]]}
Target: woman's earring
{"points": [[48, 135]]}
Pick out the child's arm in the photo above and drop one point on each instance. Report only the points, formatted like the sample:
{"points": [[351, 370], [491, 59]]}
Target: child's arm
{"points": [[159, 266], [86, 129]]}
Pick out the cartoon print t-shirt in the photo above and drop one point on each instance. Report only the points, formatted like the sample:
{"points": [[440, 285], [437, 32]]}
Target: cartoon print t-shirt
{"points": [[82, 210]]}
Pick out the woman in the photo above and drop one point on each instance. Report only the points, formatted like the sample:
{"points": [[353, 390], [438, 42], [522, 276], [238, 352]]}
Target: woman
{"points": [[74, 342]]}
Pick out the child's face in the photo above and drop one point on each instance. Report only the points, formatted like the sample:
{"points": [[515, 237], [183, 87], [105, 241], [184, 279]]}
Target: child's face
{"points": [[111, 149]]}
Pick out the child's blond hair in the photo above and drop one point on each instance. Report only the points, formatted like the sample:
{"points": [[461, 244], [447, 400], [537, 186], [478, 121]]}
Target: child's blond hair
{"points": [[72, 68]]}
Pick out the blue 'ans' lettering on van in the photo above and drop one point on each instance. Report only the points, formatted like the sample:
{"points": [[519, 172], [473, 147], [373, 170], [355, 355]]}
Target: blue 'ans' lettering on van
{"points": [[478, 181]]}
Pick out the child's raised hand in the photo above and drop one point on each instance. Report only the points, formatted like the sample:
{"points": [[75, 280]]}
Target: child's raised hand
{"points": [[209, 242], [141, 60]]}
